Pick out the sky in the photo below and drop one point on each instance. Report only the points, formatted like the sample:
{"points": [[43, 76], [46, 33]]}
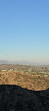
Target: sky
{"points": [[24, 30]]}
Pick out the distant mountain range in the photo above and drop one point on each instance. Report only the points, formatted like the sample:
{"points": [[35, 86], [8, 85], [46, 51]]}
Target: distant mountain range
{"points": [[21, 62], [4, 62], [16, 62]]}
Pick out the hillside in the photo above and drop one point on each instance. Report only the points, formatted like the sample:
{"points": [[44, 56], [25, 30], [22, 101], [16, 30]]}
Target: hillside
{"points": [[24, 91], [29, 81]]}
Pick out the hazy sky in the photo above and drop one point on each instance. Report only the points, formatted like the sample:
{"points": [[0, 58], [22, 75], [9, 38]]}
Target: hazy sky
{"points": [[24, 30]]}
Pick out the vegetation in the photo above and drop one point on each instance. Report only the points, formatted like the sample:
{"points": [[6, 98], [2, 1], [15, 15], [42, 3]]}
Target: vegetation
{"points": [[30, 77]]}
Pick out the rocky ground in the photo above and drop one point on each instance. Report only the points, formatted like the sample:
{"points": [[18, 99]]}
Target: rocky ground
{"points": [[15, 98]]}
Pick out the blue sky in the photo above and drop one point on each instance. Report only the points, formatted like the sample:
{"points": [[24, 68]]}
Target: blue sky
{"points": [[24, 30]]}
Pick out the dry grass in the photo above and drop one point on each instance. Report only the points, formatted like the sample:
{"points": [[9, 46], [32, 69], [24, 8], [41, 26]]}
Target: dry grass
{"points": [[32, 82]]}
